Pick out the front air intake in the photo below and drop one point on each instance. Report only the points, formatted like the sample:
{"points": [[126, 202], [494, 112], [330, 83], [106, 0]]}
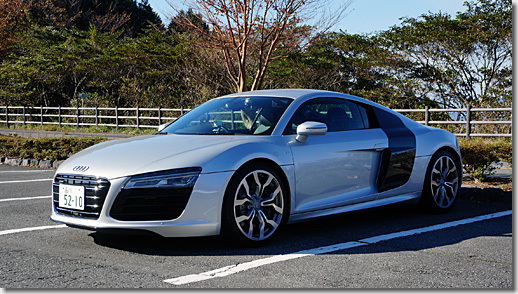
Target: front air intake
{"points": [[148, 204]]}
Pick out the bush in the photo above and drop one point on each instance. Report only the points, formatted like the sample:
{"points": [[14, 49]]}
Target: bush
{"points": [[44, 148], [481, 157]]}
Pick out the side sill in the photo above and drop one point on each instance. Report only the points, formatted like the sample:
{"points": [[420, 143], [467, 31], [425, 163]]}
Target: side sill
{"points": [[409, 198]]}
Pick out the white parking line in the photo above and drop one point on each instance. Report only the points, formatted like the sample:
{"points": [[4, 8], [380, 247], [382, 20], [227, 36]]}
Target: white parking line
{"points": [[236, 268], [24, 198], [25, 181], [14, 231]]}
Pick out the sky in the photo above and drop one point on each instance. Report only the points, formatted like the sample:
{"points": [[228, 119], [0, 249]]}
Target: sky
{"points": [[366, 16]]}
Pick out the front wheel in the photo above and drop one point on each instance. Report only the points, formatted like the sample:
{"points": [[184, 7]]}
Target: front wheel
{"points": [[255, 205], [442, 183]]}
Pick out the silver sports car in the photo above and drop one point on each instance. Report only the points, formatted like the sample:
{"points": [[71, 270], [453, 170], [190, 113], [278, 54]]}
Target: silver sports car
{"points": [[245, 164]]}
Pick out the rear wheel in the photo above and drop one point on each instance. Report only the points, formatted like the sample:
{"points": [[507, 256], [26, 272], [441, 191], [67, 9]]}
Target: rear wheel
{"points": [[442, 183], [254, 207]]}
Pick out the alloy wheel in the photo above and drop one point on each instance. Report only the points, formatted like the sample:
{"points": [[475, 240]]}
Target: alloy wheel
{"points": [[258, 205], [444, 181]]}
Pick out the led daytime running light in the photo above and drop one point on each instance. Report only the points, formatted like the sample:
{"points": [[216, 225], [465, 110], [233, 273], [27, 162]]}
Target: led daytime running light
{"points": [[174, 179]]}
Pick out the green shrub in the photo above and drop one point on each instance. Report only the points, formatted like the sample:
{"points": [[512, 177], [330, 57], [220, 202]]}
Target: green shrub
{"points": [[481, 157], [44, 148]]}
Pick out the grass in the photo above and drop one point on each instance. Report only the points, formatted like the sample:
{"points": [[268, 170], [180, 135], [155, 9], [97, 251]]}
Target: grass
{"points": [[72, 129]]}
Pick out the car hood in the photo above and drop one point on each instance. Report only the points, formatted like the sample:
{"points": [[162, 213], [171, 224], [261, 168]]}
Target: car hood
{"points": [[119, 158]]}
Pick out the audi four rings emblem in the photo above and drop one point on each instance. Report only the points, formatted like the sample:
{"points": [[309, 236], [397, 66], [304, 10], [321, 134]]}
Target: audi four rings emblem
{"points": [[81, 168]]}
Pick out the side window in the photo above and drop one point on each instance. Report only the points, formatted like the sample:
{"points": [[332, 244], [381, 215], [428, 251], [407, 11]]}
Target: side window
{"points": [[369, 118], [337, 114]]}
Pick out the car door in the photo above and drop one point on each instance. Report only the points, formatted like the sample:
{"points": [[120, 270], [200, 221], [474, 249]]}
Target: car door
{"points": [[340, 167]]}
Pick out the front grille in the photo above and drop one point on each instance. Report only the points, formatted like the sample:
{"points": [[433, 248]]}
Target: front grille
{"points": [[148, 204], [95, 194]]}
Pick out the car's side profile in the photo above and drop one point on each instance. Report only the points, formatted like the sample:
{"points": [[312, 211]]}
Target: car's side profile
{"points": [[245, 164]]}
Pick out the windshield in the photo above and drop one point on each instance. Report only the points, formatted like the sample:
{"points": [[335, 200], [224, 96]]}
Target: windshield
{"points": [[230, 116]]}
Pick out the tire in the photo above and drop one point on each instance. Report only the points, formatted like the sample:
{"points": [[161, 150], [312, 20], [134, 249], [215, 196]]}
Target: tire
{"points": [[442, 183], [255, 206]]}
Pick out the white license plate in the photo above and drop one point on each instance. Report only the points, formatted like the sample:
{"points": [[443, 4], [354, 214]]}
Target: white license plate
{"points": [[72, 197]]}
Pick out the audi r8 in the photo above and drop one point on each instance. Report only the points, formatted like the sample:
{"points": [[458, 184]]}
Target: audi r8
{"points": [[244, 165]]}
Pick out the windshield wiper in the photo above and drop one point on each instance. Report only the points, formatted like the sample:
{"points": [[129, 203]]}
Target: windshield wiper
{"points": [[222, 133]]}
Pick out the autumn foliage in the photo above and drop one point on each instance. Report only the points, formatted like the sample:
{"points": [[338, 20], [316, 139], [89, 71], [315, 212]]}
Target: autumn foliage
{"points": [[119, 53]]}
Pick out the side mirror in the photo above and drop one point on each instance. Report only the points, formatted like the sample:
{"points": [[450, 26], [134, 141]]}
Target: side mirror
{"points": [[310, 128], [163, 126]]}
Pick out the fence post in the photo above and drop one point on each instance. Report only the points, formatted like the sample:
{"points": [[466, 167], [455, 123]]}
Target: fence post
{"points": [[96, 116], [41, 114], [181, 110], [159, 115], [77, 116], [59, 115], [468, 121], [7, 115], [117, 118], [427, 115], [232, 119], [24, 119], [138, 118]]}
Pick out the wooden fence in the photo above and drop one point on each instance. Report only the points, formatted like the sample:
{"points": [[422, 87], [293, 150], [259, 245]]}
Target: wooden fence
{"points": [[466, 122]]}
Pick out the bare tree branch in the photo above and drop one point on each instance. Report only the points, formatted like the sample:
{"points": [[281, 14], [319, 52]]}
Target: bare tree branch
{"points": [[249, 33]]}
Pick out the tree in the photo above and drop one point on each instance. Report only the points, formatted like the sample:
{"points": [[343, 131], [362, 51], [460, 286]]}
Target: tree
{"points": [[11, 13], [50, 66], [251, 33], [129, 17], [350, 63], [464, 60]]}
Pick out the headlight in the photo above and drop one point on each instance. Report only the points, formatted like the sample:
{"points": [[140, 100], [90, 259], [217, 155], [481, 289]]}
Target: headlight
{"points": [[169, 179]]}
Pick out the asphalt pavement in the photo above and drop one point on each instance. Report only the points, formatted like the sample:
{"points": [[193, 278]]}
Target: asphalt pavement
{"points": [[397, 248]]}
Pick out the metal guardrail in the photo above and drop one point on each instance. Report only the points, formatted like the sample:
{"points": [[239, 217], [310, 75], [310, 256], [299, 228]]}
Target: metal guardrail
{"points": [[152, 117], [468, 121], [89, 116]]}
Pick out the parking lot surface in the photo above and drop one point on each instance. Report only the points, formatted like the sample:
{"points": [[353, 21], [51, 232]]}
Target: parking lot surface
{"points": [[470, 247]]}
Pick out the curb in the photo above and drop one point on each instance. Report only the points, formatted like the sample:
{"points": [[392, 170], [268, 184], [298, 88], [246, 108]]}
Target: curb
{"points": [[472, 193], [475, 193], [53, 164]]}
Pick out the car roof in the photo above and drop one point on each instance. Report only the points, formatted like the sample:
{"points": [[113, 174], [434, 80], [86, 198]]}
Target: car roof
{"points": [[311, 93], [291, 93], [303, 94]]}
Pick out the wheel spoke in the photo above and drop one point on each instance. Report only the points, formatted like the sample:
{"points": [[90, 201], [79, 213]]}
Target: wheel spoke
{"points": [[452, 170], [436, 194], [274, 206], [268, 182], [447, 197], [240, 202], [245, 217], [258, 188], [272, 196], [446, 168], [441, 196], [250, 233], [264, 219], [244, 184], [452, 186], [262, 223]]}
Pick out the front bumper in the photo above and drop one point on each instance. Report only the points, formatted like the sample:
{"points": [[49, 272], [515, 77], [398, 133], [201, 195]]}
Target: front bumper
{"points": [[201, 216]]}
